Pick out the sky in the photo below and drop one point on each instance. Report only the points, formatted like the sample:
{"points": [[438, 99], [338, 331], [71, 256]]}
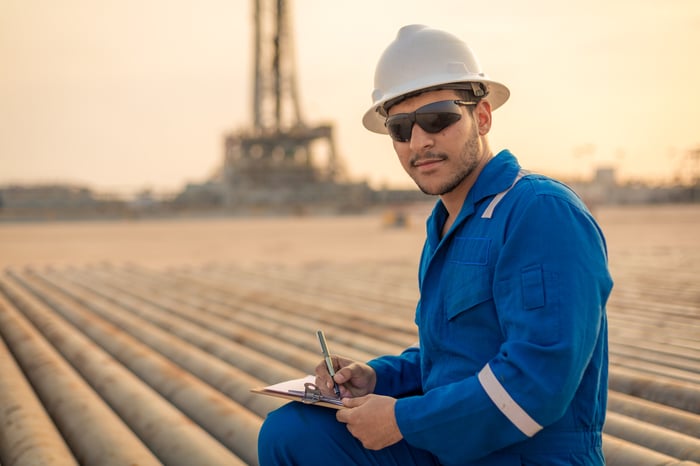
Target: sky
{"points": [[127, 95]]}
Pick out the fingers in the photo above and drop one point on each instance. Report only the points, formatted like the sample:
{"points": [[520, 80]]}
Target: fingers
{"points": [[348, 372], [354, 378], [338, 363], [343, 415], [323, 380], [355, 402], [343, 375], [371, 420]]}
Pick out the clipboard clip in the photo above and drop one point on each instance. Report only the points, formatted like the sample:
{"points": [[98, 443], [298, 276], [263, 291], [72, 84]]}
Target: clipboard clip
{"points": [[312, 393]]}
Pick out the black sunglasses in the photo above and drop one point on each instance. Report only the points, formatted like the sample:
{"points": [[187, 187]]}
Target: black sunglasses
{"points": [[433, 118]]}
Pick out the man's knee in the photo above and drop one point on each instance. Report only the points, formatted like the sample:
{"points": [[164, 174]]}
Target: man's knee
{"points": [[287, 431]]}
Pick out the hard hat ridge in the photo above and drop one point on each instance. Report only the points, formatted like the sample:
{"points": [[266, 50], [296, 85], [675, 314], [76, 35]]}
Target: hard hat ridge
{"points": [[420, 59]]}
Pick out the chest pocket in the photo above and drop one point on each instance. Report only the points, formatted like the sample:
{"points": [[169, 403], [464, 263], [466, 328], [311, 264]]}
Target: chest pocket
{"points": [[467, 275]]}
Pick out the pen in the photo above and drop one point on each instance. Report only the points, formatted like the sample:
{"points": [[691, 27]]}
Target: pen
{"points": [[327, 357]]}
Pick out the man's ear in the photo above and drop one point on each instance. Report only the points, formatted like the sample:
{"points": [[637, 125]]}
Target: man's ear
{"points": [[482, 116]]}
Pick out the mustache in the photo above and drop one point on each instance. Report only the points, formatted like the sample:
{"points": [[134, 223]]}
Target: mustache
{"points": [[418, 159]]}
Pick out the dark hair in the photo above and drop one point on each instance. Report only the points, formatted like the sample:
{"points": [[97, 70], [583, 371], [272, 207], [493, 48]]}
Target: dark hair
{"points": [[464, 90]]}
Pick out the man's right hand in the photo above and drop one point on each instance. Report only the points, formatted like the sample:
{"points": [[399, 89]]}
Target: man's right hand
{"points": [[354, 378]]}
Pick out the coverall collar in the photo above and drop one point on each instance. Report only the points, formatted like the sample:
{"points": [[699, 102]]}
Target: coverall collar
{"points": [[497, 176]]}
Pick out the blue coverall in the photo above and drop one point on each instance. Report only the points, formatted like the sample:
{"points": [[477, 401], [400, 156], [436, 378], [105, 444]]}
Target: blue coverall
{"points": [[512, 364]]}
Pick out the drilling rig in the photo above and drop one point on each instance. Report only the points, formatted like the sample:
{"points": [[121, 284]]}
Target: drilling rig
{"points": [[281, 161]]}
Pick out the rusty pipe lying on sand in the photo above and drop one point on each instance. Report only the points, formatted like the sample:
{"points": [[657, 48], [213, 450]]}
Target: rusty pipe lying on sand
{"points": [[93, 431], [159, 311], [681, 395], [27, 434], [654, 437], [230, 423], [620, 452], [654, 413], [222, 376], [166, 431]]}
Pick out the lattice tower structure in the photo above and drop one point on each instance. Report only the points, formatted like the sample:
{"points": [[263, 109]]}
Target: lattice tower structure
{"points": [[281, 158]]}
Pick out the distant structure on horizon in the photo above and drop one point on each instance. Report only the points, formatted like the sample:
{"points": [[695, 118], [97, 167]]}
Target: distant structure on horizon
{"points": [[49, 202], [604, 189], [282, 161]]}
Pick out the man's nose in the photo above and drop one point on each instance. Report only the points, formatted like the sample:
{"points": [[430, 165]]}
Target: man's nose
{"points": [[420, 139]]}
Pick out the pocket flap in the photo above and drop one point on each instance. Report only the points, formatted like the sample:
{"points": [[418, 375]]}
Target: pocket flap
{"points": [[470, 289]]}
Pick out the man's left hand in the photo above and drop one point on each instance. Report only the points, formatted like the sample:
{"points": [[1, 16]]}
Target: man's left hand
{"points": [[371, 420]]}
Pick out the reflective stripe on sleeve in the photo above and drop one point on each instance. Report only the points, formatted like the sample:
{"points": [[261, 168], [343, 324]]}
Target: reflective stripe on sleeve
{"points": [[506, 404]]}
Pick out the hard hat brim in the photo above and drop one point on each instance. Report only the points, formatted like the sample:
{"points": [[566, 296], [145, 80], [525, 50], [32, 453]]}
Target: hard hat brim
{"points": [[373, 119]]}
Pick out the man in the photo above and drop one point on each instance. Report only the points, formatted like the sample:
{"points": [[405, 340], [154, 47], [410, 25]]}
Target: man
{"points": [[511, 367]]}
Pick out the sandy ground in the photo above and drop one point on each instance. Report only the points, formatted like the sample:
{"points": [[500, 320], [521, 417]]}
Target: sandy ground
{"points": [[669, 231], [159, 243]]}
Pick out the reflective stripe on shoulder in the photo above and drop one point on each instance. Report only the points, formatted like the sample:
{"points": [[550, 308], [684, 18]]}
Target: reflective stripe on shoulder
{"points": [[488, 213], [506, 404]]}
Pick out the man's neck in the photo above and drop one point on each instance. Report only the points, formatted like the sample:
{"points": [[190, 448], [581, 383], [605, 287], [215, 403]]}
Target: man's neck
{"points": [[454, 200]]}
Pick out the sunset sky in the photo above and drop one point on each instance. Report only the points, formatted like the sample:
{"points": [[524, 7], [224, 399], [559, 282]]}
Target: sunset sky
{"points": [[124, 95]]}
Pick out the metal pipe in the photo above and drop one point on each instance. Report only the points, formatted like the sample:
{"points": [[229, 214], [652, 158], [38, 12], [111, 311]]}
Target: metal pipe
{"points": [[268, 345], [165, 430], [71, 402], [226, 378], [654, 413], [681, 395], [620, 452], [148, 305], [27, 433], [293, 298], [654, 369], [247, 313], [646, 352], [655, 438], [230, 423]]}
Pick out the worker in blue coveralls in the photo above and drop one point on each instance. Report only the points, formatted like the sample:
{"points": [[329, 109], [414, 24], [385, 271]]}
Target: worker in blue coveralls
{"points": [[511, 366]]}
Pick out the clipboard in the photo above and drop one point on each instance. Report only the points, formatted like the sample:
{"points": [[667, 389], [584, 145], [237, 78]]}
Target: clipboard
{"points": [[303, 390]]}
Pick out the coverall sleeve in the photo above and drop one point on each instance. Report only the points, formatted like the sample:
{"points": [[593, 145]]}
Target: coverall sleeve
{"points": [[550, 287], [398, 375]]}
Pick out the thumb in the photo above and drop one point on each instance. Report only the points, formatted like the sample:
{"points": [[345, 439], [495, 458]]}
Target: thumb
{"points": [[343, 375]]}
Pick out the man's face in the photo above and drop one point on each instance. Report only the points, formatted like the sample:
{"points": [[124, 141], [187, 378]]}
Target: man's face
{"points": [[440, 162]]}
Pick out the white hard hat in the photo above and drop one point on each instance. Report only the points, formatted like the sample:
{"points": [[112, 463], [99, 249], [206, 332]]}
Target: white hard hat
{"points": [[421, 58]]}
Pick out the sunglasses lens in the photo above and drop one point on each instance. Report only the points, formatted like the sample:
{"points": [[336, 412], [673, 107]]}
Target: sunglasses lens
{"points": [[436, 122], [432, 118], [400, 127]]}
